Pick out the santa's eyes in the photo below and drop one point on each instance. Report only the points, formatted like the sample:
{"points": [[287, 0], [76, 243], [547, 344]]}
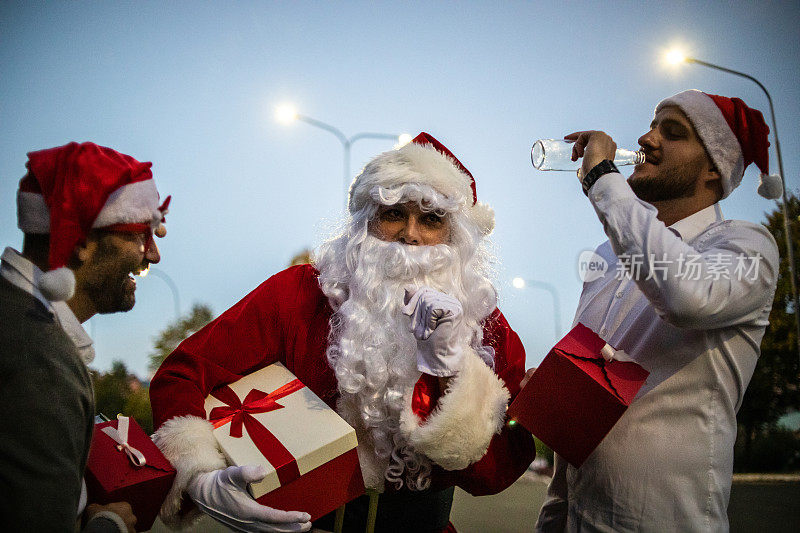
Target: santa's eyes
{"points": [[432, 220], [398, 214], [392, 214]]}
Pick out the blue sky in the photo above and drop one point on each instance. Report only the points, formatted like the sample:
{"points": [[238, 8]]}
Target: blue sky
{"points": [[191, 86]]}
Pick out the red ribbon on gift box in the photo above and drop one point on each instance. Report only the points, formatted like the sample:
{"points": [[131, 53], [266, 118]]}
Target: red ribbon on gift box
{"points": [[240, 413]]}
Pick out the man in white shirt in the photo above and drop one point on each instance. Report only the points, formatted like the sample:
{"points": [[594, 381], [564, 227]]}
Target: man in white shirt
{"points": [[89, 214], [687, 295]]}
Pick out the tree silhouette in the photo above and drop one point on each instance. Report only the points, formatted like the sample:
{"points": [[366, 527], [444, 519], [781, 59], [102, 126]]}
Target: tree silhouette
{"points": [[175, 333], [120, 392], [774, 389]]}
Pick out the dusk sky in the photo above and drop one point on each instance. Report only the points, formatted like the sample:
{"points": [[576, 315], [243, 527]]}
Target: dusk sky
{"points": [[192, 87]]}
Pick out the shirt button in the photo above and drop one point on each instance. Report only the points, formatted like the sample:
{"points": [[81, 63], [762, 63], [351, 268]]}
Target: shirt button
{"points": [[603, 331], [619, 294]]}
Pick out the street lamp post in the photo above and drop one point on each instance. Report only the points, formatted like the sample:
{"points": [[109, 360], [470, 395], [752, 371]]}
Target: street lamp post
{"points": [[157, 272], [677, 57], [520, 283], [287, 114]]}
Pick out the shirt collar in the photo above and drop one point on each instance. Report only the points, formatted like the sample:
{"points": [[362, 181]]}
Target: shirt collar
{"points": [[690, 227], [24, 275]]}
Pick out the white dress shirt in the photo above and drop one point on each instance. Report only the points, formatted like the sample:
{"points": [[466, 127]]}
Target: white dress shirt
{"points": [[691, 310]]}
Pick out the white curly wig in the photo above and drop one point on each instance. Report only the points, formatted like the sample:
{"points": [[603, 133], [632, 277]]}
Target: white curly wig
{"points": [[370, 348]]}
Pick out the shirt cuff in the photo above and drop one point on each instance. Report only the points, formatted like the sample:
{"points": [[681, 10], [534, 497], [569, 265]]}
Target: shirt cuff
{"points": [[116, 522], [608, 188]]}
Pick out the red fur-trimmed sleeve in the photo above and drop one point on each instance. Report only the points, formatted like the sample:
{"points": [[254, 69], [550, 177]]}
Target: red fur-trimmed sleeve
{"points": [[512, 450], [244, 338], [250, 335]]}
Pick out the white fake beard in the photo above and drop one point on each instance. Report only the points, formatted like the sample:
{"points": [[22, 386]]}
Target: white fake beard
{"points": [[373, 352]]}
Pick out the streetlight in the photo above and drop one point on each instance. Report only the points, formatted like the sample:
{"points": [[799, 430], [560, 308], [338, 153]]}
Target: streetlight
{"points": [[157, 272], [676, 57], [520, 283], [285, 113]]}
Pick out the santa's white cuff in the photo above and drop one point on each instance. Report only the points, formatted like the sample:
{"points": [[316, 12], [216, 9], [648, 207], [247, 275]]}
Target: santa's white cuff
{"points": [[471, 411], [189, 444]]}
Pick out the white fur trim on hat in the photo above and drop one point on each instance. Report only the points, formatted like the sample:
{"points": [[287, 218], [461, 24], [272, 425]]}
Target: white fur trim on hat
{"points": [[57, 285], [133, 203], [423, 164], [189, 444], [715, 133], [32, 213], [412, 163], [472, 410], [483, 215]]}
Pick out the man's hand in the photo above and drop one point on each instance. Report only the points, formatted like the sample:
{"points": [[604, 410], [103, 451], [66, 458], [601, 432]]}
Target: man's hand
{"points": [[223, 495], [436, 320], [121, 509], [593, 147], [527, 377]]}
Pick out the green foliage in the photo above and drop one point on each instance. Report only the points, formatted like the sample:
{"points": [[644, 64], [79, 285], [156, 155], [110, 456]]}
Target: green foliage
{"points": [[175, 333], [118, 392], [774, 386], [772, 450], [138, 406]]}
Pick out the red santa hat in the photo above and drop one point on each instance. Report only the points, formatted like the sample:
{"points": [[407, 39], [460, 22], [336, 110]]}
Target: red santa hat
{"points": [[73, 188], [734, 136], [426, 161]]}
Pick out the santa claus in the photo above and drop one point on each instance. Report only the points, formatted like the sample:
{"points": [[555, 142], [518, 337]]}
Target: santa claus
{"points": [[396, 326]]}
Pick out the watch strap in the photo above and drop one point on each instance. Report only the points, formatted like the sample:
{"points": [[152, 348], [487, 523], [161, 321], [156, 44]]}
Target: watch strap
{"points": [[602, 168]]}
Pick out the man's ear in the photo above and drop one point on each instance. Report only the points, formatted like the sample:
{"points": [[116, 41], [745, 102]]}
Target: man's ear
{"points": [[81, 253], [713, 174], [712, 179]]}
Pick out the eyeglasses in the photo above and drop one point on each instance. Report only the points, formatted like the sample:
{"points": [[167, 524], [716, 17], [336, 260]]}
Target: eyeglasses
{"points": [[141, 229]]}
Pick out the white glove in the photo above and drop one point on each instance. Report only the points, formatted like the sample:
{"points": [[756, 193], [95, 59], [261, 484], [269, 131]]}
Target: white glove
{"points": [[436, 320], [223, 495]]}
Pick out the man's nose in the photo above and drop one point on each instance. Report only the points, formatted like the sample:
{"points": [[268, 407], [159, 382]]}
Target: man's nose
{"points": [[152, 255], [410, 233], [649, 140]]}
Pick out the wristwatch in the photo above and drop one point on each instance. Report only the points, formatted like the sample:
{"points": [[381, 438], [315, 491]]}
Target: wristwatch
{"points": [[602, 168]]}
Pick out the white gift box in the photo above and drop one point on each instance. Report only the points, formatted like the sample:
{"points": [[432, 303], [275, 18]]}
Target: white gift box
{"points": [[304, 425]]}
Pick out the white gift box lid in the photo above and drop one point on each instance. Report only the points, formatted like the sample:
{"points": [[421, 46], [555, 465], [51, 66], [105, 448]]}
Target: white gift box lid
{"points": [[312, 432]]}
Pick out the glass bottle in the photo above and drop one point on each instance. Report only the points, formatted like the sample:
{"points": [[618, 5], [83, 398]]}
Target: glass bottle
{"points": [[556, 154]]}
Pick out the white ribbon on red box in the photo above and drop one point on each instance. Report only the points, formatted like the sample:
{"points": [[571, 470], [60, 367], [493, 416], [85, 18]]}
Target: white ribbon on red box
{"points": [[610, 354], [120, 436]]}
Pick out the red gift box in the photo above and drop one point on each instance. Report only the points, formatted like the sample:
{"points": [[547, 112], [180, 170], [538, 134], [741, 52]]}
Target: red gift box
{"points": [[575, 396], [269, 417], [113, 475]]}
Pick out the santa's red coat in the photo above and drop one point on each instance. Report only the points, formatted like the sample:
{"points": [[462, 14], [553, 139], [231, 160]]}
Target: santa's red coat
{"points": [[286, 319]]}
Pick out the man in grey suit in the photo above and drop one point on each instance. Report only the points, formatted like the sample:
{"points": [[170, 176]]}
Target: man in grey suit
{"points": [[89, 215]]}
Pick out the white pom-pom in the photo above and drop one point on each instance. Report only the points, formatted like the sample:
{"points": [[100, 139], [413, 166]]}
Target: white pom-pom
{"points": [[57, 285], [483, 215], [770, 186]]}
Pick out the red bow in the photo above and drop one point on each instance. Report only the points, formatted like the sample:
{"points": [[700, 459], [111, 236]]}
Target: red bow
{"points": [[240, 413]]}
